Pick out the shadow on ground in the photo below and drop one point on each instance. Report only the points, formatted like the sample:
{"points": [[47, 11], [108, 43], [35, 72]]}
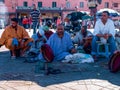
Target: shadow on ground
{"points": [[11, 70]]}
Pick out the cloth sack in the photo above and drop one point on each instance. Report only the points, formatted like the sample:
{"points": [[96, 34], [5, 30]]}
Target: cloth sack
{"points": [[103, 40], [79, 58]]}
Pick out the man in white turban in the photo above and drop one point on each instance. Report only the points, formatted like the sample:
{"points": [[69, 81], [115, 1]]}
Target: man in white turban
{"points": [[39, 38]]}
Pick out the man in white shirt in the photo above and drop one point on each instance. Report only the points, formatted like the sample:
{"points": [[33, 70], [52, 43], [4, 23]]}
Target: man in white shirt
{"points": [[104, 28]]}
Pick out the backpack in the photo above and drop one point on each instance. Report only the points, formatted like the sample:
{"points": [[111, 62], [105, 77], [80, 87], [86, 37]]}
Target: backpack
{"points": [[114, 63], [47, 52]]}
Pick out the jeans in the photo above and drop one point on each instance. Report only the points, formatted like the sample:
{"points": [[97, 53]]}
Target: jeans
{"points": [[110, 40], [14, 42], [34, 25]]}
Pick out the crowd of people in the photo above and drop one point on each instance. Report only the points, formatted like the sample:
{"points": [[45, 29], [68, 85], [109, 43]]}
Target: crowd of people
{"points": [[15, 37]]}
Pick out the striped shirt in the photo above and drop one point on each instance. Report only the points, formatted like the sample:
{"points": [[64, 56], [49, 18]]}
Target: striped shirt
{"points": [[35, 15]]}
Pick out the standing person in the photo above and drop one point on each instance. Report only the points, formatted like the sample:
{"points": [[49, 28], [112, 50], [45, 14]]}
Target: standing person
{"points": [[20, 20], [59, 20], [25, 22], [15, 37], [92, 4], [29, 23], [35, 15], [105, 29]]}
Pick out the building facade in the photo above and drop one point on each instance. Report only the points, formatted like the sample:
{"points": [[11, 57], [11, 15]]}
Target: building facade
{"points": [[54, 8]]}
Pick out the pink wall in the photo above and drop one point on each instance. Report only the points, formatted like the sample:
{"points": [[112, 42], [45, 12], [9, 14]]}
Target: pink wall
{"points": [[46, 3], [110, 4], [11, 4]]}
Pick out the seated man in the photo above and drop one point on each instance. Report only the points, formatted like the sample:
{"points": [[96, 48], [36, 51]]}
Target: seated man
{"points": [[61, 44], [104, 28], [15, 37], [39, 38], [83, 38]]}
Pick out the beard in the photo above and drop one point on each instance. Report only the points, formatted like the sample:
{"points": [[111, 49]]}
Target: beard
{"points": [[60, 34], [15, 27]]}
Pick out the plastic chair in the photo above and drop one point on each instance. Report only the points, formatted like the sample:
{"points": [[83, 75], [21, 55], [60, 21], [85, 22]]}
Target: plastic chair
{"points": [[102, 52]]}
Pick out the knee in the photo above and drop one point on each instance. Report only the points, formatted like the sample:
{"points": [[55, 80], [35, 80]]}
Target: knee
{"points": [[94, 39], [111, 39]]}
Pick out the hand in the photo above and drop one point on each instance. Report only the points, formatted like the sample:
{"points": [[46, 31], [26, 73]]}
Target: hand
{"points": [[44, 40], [106, 36], [38, 40], [73, 50], [25, 39]]}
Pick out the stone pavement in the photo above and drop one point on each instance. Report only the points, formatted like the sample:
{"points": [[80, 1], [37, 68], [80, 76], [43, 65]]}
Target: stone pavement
{"points": [[18, 75]]}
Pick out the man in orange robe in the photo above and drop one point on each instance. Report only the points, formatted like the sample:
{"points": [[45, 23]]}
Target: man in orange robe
{"points": [[15, 37]]}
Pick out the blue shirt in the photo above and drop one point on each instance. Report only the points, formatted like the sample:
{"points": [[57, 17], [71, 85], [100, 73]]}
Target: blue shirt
{"points": [[60, 46]]}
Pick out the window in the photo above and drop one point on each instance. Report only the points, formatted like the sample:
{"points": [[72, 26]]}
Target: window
{"points": [[54, 4], [67, 4], [25, 4], [115, 4], [106, 4], [39, 4], [81, 4]]}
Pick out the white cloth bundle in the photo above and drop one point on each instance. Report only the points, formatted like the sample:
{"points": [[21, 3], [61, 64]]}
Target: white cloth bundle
{"points": [[79, 58], [103, 40]]}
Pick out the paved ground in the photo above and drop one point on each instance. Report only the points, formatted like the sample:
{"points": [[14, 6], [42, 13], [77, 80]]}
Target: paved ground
{"points": [[18, 75]]}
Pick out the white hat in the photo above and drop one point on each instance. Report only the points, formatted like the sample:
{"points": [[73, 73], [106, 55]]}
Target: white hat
{"points": [[41, 32]]}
